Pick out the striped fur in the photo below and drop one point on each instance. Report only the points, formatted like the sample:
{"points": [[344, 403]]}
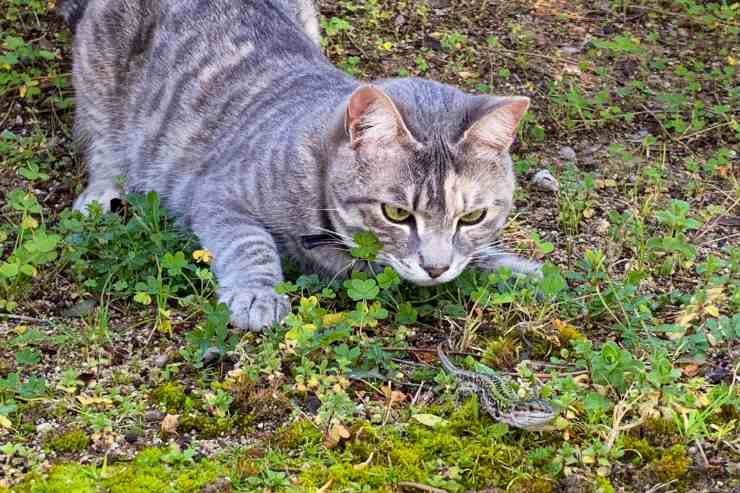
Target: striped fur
{"points": [[229, 110]]}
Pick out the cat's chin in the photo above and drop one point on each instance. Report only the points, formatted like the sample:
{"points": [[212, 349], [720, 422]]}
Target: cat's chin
{"points": [[429, 282]]}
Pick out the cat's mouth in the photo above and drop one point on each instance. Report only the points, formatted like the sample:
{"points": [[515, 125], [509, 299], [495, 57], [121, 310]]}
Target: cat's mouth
{"points": [[309, 242]]}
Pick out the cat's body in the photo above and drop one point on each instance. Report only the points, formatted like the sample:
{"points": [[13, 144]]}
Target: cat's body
{"points": [[229, 110]]}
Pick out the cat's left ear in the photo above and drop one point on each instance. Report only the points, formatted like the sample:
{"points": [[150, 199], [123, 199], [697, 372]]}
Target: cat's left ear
{"points": [[371, 118], [494, 125]]}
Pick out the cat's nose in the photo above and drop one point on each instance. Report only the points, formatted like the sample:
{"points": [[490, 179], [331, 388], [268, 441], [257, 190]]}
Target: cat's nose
{"points": [[435, 271]]}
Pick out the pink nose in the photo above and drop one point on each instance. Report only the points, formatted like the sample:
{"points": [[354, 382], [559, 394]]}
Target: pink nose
{"points": [[435, 272]]}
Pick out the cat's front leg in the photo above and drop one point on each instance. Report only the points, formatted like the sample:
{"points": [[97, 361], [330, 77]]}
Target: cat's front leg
{"points": [[514, 262], [247, 267]]}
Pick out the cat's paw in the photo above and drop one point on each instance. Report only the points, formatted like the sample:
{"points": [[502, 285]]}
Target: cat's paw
{"points": [[103, 194], [255, 309], [516, 263]]}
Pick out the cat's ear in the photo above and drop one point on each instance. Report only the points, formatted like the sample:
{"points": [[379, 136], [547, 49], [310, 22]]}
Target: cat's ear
{"points": [[494, 126], [372, 118]]}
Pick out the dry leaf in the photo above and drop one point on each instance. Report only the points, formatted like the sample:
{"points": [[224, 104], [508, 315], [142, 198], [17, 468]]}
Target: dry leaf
{"points": [[87, 401], [336, 434], [690, 370], [711, 310], [5, 422], [168, 426]]}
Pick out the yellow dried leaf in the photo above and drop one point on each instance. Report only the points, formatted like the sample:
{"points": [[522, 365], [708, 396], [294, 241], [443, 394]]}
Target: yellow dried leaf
{"points": [[29, 223], [711, 310], [715, 294], [168, 426], [5, 422], [88, 401], [331, 319]]}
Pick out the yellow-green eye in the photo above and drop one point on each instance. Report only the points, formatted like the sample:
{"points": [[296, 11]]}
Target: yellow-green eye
{"points": [[473, 217], [395, 214]]}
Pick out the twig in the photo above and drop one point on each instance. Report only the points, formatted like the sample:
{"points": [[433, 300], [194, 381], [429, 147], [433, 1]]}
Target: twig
{"points": [[699, 132], [24, 318], [424, 350], [418, 393], [676, 14], [665, 130], [420, 487], [701, 451], [719, 239]]}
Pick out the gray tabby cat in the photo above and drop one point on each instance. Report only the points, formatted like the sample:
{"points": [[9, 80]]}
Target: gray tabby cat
{"points": [[229, 110]]}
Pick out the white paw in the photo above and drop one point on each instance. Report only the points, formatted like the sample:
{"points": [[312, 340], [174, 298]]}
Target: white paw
{"points": [[516, 264], [100, 194], [255, 309]]}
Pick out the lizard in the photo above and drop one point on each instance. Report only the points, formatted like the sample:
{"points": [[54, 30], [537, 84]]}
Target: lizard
{"points": [[498, 398]]}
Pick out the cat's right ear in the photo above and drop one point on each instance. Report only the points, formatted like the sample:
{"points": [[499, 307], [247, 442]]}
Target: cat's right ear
{"points": [[371, 118]]}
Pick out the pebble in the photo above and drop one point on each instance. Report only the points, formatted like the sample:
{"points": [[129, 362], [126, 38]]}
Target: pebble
{"points": [[85, 307], [544, 180], [153, 416], [567, 153], [212, 355], [162, 360], [131, 437], [44, 427]]}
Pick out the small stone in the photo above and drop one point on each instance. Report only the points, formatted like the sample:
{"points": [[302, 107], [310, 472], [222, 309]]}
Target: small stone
{"points": [[567, 153], [81, 309], [570, 50], [153, 416], [220, 485], [602, 226], [162, 360], [399, 21], [131, 437], [544, 180], [212, 355], [44, 427]]}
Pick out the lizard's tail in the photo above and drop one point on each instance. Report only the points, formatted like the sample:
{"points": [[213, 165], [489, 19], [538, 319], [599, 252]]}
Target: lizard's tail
{"points": [[72, 11]]}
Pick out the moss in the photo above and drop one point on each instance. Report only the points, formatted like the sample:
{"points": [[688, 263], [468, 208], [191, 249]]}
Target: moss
{"points": [[602, 485], [146, 474], [69, 442], [299, 434], [62, 478], [537, 485], [639, 450], [658, 432], [672, 464], [172, 397], [501, 352], [205, 425]]}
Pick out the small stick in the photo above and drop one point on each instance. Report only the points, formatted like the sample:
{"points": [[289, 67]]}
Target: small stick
{"points": [[23, 318], [703, 455], [420, 487]]}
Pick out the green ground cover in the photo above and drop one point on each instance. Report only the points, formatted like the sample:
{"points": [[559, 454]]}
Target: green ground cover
{"points": [[107, 383]]}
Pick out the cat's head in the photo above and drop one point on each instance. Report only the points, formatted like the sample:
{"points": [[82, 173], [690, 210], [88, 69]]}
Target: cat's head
{"points": [[426, 168]]}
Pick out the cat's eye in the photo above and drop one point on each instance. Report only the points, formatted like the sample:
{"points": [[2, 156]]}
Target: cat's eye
{"points": [[473, 217], [395, 214]]}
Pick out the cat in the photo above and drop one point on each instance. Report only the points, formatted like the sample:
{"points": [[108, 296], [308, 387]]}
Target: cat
{"points": [[230, 112]]}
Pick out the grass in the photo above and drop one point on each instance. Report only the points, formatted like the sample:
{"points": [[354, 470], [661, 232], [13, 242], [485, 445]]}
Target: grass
{"points": [[108, 322]]}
